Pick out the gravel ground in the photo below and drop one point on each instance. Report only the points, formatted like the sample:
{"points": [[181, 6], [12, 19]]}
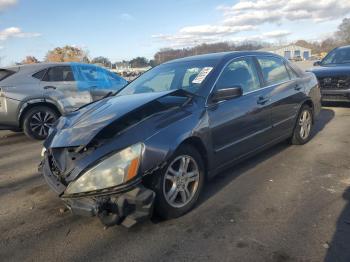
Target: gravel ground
{"points": [[290, 203]]}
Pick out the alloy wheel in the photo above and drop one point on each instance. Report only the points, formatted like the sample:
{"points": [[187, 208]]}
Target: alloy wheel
{"points": [[305, 123], [181, 181], [41, 122]]}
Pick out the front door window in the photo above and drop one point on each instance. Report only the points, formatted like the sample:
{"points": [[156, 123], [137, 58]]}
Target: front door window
{"points": [[240, 73]]}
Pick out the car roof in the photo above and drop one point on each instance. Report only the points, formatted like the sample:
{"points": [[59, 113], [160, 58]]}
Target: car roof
{"points": [[43, 65], [343, 47], [220, 56]]}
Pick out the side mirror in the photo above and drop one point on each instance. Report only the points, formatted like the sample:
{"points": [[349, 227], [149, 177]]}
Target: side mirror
{"points": [[226, 93], [317, 63]]}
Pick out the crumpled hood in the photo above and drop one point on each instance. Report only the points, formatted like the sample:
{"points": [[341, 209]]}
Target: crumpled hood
{"points": [[80, 127], [324, 71]]}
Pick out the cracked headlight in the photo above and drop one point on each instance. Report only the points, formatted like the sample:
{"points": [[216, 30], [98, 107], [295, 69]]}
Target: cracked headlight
{"points": [[112, 171]]}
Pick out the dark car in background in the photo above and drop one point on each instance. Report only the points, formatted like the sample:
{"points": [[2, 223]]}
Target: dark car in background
{"points": [[32, 97], [162, 136], [333, 74]]}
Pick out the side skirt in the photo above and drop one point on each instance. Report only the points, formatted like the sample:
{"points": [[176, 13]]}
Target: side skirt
{"points": [[224, 167]]}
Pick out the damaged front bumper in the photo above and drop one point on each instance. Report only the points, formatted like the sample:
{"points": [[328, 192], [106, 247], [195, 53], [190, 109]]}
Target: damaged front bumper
{"points": [[126, 209], [125, 205]]}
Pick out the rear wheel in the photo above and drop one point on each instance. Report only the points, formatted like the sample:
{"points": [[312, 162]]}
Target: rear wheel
{"points": [[302, 130], [38, 120], [180, 183]]}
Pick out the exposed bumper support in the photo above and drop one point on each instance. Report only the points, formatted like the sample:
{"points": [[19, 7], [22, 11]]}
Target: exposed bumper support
{"points": [[127, 209]]}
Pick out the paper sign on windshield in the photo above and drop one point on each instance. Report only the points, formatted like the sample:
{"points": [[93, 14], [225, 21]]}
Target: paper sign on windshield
{"points": [[202, 75]]}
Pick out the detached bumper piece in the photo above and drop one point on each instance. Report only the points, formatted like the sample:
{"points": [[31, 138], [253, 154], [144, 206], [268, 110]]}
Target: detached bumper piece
{"points": [[126, 209]]}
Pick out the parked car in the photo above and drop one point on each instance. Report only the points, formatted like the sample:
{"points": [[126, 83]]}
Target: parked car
{"points": [[171, 129], [333, 73], [32, 97]]}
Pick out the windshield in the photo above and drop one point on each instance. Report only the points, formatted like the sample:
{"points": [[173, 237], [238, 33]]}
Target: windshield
{"points": [[337, 56], [188, 75]]}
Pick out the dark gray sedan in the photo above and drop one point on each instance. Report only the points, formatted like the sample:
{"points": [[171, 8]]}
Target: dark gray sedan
{"points": [[162, 136]]}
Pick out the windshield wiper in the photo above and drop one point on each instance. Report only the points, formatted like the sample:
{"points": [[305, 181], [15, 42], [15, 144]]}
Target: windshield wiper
{"points": [[107, 95]]}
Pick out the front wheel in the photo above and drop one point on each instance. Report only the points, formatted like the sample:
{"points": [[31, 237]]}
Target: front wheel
{"points": [[180, 183], [302, 130]]}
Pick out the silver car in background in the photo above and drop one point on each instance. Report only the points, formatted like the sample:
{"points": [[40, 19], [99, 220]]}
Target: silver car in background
{"points": [[32, 97]]}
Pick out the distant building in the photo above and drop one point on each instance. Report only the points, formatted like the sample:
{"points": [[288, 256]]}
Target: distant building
{"points": [[132, 69], [290, 51]]}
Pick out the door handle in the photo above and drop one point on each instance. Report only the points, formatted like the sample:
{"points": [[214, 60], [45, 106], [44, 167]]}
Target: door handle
{"points": [[49, 87], [262, 100], [298, 87]]}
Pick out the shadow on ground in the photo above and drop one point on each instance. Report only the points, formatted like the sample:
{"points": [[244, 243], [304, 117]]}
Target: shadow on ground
{"points": [[339, 248], [221, 180], [322, 120], [226, 177]]}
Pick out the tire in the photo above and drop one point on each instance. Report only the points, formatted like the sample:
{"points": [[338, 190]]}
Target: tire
{"points": [[38, 120], [304, 122], [164, 206]]}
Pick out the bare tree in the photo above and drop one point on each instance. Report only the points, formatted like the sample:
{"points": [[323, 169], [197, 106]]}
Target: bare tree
{"points": [[343, 32], [167, 54], [102, 61], [139, 62]]}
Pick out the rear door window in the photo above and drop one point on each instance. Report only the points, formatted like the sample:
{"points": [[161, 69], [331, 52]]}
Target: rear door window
{"points": [[92, 73], [59, 74], [273, 69]]}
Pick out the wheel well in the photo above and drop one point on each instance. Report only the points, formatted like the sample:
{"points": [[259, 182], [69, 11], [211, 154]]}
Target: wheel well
{"points": [[309, 103], [30, 106], [197, 143]]}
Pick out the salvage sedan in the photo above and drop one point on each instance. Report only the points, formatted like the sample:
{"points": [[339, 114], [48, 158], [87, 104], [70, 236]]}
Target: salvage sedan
{"points": [[157, 141]]}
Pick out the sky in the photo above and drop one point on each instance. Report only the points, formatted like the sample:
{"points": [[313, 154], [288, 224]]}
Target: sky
{"points": [[126, 29]]}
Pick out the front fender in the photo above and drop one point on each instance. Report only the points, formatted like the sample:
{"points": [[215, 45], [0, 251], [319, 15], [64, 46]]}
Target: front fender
{"points": [[162, 145], [313, 93]]}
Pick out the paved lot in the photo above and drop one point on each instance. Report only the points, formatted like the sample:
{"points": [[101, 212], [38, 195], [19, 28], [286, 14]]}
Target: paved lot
{"points": [[290, 203], [305, 65]]}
